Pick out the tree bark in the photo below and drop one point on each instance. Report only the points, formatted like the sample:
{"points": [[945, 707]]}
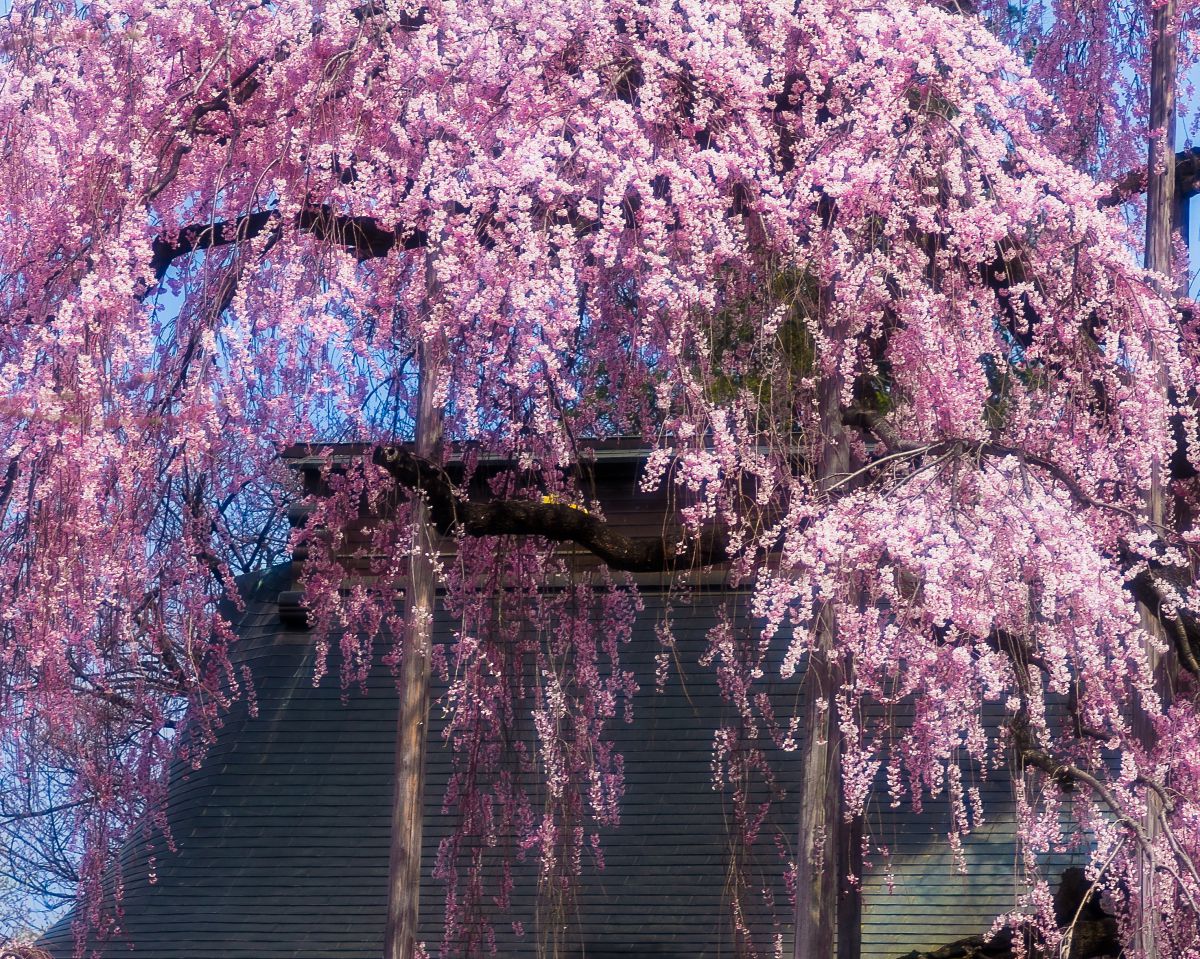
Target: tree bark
{"points": [[404, 870], [451, 513], [1162, 215]]}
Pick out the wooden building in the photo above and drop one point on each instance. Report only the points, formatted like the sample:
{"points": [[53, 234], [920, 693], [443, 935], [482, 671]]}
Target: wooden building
{"points": [[282, 834]]}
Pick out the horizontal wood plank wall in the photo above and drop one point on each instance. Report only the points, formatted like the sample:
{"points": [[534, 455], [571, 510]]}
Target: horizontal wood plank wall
{"points": [[282, 833]]}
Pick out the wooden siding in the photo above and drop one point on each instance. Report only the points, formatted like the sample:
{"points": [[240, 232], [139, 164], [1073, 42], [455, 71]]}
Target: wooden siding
{"points": [[282, 833]]}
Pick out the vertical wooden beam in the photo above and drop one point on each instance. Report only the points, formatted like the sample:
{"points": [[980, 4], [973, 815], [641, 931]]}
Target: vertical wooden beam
{"points": [[1161, 212], [404, 868], [1183, 227], [1162, 216], [825, 906], [849, 905], [820, 808]]}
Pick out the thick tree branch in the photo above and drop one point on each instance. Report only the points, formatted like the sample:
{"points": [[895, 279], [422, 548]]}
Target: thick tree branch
{"points": [[1033, 756], [557, 522], [360, 235], [899, 449], [366, 238], [1187, 180], [562, 523], [1160, 588]]}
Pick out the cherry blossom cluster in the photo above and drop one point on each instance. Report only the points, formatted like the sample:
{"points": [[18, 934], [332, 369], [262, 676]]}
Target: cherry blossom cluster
{"points": [[753, 234]]}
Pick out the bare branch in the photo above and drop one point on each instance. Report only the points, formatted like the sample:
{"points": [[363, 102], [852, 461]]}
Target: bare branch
{"points": [[1187, 180], [1154, 586], [361, 235], [557, 522]]}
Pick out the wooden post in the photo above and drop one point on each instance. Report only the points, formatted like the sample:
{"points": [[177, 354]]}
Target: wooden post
{"points": [[404, 869], [824, 901], [1162, 215], [820, 808], [849, 905]]}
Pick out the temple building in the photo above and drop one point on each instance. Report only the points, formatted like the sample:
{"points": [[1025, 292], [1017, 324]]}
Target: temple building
{"points": [[281, 835]]}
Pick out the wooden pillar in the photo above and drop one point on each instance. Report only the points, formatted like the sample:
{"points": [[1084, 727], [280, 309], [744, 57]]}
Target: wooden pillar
{"points": [[849, 905], [404, 869], [820, 808], [825, 904], [1163, 214]]}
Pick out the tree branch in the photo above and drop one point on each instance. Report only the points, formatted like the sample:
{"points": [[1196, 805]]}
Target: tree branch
{"points": [[361, 235], [898, 448], [1154, 587], [1187, 180], [9, 818], [557, 522]]}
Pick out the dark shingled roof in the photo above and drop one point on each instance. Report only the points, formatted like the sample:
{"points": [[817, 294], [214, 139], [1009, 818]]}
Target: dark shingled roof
{"points": [[282, 834]]}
